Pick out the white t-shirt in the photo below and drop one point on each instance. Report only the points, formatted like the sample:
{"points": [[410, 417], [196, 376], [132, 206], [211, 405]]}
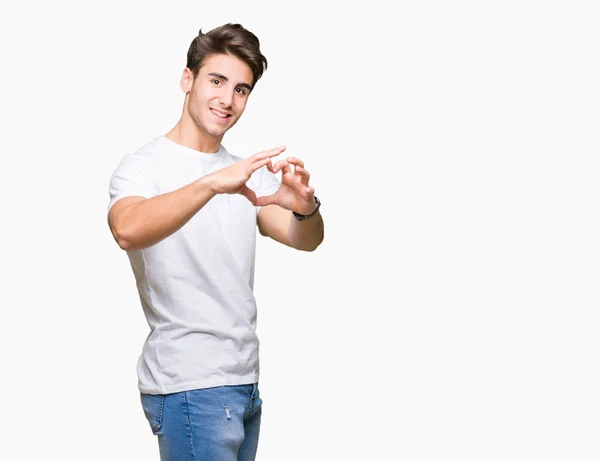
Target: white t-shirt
{"points": [[195, 286]]}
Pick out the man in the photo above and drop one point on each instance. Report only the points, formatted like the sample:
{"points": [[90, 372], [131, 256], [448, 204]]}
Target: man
{"points": [[186, 211]]}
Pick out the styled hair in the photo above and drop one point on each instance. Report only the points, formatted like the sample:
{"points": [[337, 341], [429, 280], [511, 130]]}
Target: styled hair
{"points": [[228, 38]]}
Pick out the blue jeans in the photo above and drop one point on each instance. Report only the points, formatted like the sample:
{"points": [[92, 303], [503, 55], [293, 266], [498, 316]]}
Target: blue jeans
{"points": [[217, 424]]}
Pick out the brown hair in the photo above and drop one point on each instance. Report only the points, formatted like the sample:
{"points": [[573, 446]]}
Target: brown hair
{"points": [[228, 38]]}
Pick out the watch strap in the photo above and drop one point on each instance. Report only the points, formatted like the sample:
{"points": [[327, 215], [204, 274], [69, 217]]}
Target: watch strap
{"points": [[304, 217]]}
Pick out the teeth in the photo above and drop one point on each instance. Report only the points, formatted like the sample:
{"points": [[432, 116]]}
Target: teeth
{"points": [[219, 114]]}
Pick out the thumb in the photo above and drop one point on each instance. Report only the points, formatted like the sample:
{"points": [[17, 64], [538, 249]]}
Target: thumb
{"points": [[266, 200], [248, 193]]}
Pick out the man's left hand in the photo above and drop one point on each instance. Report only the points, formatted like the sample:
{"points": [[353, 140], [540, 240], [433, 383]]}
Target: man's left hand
{"points": [[294, 193]]}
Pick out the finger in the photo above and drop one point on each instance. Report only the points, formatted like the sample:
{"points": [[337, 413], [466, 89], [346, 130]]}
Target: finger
{"points": [[267, 154], [279, 165], [304, 174], [256, 165], [304, 190], [266, 200], [248, 193], [295, 161], [307, 193]]}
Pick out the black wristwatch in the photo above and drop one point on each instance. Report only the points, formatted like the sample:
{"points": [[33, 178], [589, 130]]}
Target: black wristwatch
{"points": [[304, 217]]}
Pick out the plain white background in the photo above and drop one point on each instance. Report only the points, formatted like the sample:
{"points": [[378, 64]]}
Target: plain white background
{"points": [[452, 311]]}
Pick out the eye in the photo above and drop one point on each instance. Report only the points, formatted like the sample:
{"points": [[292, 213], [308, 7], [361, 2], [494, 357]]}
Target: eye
{"points": [[216, 81], [240, 90]]}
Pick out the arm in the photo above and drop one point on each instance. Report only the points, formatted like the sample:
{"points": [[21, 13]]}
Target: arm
{"points": [[275, 219], [280, 225], [138, 222]]}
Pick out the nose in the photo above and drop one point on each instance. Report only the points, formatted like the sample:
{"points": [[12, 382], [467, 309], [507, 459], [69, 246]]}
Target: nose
{"points": [[226, 98]]}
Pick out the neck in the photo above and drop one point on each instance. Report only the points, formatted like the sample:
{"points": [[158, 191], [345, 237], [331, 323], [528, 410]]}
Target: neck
{"points": [[188, 134]]}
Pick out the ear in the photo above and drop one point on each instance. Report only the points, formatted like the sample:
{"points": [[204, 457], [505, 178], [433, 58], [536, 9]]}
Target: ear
{"points": [[187, 80]]}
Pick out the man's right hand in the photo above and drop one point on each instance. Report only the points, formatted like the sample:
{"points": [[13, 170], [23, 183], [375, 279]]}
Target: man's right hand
{"points": [[233, 179]]}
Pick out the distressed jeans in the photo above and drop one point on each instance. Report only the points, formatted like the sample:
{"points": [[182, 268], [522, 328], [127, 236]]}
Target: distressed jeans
{"points": [[217, 424]]}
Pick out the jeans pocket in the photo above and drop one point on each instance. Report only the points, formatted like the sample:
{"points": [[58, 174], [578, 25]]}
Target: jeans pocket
{"points": [[153, 409]]}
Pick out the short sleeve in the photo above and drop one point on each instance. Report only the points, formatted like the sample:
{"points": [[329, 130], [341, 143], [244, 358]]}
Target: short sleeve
{"points": [[133, 177]]}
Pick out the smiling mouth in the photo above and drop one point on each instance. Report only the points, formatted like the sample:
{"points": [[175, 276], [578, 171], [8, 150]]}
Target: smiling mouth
{"points": [[222, 115]]}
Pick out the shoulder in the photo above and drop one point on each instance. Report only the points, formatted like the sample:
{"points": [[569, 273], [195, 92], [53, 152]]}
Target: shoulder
{"points": [[147, 155], [153, 150]]}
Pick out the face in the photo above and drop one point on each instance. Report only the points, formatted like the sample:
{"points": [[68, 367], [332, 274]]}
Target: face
{"points": [[218, 94]]}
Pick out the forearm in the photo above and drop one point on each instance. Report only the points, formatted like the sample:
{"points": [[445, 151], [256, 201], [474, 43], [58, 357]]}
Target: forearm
{"points": [[148, 222], [306, 235]]}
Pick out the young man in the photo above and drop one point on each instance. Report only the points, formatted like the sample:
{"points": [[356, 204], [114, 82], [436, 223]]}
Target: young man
{"points": [[186, 211]]}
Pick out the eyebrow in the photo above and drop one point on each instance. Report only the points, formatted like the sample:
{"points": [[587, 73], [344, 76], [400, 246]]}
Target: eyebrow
{"points": [[222, 77]]}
